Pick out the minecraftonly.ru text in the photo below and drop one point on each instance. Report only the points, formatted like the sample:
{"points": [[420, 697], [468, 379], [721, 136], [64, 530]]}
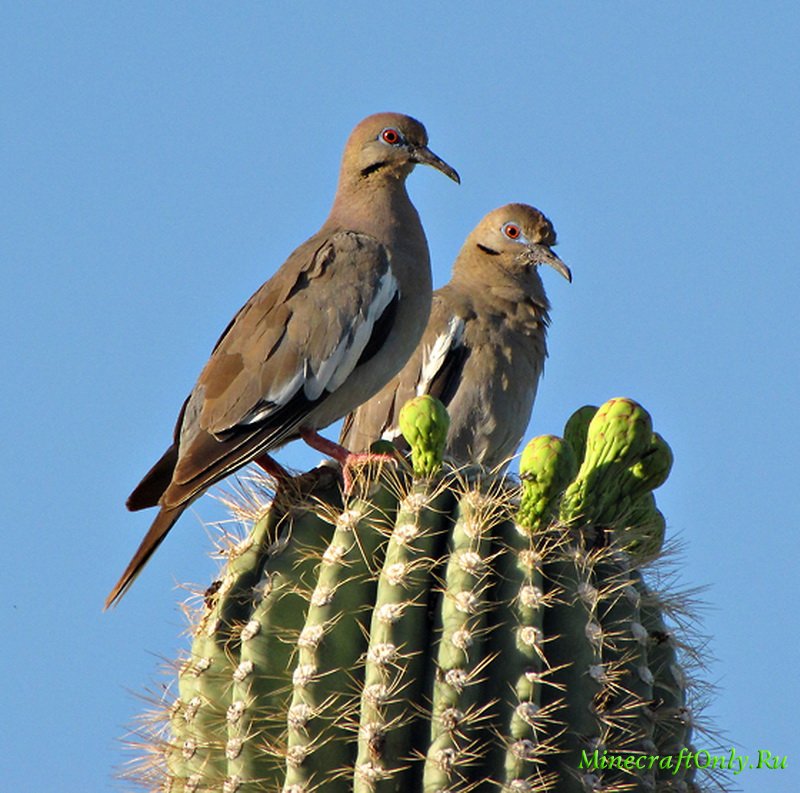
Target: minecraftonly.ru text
{"points": [[685, 759]]}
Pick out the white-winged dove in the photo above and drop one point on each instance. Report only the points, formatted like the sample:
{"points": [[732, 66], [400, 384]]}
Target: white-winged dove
{"points": [[327, 331], [483, 351]]}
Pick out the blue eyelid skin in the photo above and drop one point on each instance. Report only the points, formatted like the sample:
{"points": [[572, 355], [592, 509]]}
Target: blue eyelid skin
{"points": [[521, 238], [400, 138]]}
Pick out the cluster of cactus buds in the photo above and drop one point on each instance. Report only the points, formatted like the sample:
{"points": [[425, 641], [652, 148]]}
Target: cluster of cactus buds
{"points": [[443, 631]]}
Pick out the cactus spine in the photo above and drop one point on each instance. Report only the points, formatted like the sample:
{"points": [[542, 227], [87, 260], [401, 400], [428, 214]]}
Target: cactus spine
{"points": [[443, 631]]}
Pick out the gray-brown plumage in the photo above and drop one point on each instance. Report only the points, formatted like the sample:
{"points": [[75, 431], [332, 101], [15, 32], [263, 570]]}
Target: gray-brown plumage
{"points": [[484, 348], [327, 331]]}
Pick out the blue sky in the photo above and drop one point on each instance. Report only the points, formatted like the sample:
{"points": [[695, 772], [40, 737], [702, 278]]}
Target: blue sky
{"points": [[160, 160]]}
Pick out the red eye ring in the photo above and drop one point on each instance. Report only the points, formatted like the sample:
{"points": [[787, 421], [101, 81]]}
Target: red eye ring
{"points": [[390, 136], [512, 231]]}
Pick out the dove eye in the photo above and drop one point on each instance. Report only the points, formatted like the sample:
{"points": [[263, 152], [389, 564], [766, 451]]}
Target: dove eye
{"points": [[391, 136], [512, 231]]}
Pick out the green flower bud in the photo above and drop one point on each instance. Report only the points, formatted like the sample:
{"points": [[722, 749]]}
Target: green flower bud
{"points": [[424, 423], [546, 467], [577, 427]]}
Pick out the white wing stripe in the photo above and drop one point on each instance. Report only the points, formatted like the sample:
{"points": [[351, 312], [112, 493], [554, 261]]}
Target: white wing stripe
{"points": [[435, 355], [339, 366], [332, 371]]}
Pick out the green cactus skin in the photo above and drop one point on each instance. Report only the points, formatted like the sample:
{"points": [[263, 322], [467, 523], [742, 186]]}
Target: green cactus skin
{"points": [[332, 640], [383, 446], [672, 730], [624, 708], [644, 529], [652, 470], [460, 660], [398, 634], [261, 683], [577, 428], [424, 423], [200, 713], [624, 460], [618, 435], [451, 632], [547, 466]]}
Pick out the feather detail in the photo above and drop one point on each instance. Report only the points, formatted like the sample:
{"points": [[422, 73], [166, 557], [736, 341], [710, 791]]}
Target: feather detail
{"points": [[436, 355]]}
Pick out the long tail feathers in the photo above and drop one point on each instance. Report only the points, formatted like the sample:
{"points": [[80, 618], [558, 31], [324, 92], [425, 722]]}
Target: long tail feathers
{"points": [[155, 482], [164, 521]]}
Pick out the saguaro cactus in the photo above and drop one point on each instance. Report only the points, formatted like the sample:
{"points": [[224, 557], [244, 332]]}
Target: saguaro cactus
{"points": [[443, 631]]}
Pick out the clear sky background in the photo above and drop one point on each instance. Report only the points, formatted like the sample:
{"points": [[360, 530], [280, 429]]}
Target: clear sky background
{"points": [[160, 160]]}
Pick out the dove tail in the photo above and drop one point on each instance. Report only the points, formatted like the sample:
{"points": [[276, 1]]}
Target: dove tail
{"points": [[155, 482], [164, 521]]}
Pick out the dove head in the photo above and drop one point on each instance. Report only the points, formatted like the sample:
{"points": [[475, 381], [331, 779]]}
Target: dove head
{"points": [[388, 146], [515, 237]]}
